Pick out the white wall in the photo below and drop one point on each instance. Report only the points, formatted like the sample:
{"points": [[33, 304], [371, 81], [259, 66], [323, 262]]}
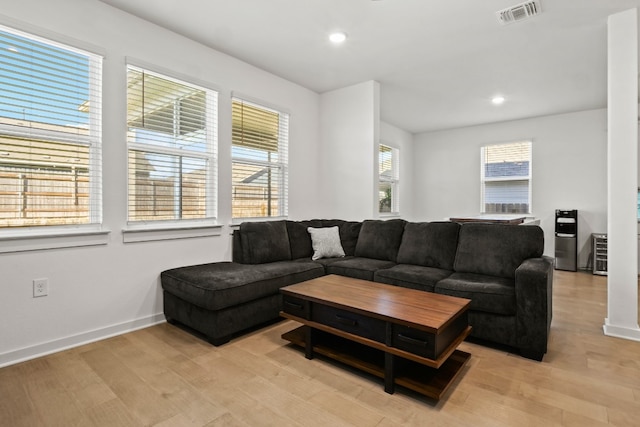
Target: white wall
{"points": [[101, 290], [395, 137], [349, 126], [350, 132], [569, 171]]}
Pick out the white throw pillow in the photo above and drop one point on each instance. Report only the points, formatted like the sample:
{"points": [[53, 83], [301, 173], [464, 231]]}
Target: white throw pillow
{"points": [[325, 242]]}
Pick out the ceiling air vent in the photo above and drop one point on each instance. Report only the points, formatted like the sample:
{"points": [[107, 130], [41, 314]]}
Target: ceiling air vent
{"points": [[519, 12]]}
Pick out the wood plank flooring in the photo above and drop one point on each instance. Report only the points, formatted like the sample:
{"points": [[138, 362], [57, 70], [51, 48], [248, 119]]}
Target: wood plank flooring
{"points": [[164, 376]]}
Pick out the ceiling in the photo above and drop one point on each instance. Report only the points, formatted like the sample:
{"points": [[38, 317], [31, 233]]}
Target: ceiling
{"points": [[439, 62]]}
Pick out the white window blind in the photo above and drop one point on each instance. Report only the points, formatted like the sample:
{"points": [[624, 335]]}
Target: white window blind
{"points": [[259, 160], [506, 178], [50, 133], [172, 142], [389, 178]]}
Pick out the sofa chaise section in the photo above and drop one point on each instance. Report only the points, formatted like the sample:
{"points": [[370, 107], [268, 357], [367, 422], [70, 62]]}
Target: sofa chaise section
{"points": [[222, 298]]}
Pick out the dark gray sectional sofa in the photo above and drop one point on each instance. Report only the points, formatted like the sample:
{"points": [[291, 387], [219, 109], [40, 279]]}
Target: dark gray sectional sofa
{"points": [[499, 267]]}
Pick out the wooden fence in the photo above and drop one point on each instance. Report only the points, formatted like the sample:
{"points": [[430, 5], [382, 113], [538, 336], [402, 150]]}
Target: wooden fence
{"points": [[155, 199], [507, 208], [31, 197]]}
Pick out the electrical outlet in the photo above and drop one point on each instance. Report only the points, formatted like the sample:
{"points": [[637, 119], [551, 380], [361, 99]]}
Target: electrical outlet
{"points": [[40, 287]]}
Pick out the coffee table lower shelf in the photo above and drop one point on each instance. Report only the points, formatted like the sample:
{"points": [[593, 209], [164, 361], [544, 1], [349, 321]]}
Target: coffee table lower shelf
{"points": [[420, 378]]}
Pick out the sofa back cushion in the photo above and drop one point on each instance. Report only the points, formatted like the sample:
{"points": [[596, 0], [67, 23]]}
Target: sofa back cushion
{"points": [[264, 242], [349, 232], [380, 239], [497, 249], [429, 244], [299, 239]]}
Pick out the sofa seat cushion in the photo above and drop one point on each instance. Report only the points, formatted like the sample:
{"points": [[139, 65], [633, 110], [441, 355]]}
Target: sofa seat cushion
{"points": [[357, 267], [487, 293], [411, 276], [224, 284], [327, 261]]}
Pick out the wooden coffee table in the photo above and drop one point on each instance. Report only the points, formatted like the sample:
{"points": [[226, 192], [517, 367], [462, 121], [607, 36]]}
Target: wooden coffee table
{"points": [[405, 336]]}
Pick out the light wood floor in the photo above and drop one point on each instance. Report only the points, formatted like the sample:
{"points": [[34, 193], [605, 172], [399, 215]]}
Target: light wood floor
{"points": [[164, 376]]}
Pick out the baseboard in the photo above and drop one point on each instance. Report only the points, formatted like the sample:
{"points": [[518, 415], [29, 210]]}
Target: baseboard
{"points": [[632, 334], [38, 350]]}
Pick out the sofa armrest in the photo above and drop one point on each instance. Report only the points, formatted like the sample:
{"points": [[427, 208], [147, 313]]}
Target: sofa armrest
{"points": [[534, 289]]}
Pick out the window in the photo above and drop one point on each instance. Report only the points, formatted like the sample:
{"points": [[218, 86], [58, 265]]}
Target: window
{"points": [[172, 144], [50, 134], [506, 178], [259, 160], [388, 176]]}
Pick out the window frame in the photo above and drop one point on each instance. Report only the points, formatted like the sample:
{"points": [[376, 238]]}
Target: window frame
{"points": [[528, 178], [393, 181], [153, 229], [282, 164], [80, 233]]}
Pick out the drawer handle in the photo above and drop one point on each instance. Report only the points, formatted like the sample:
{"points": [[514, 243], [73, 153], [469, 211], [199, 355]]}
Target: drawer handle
{"points": [[346, 320], [294, 305], [412, 340]]}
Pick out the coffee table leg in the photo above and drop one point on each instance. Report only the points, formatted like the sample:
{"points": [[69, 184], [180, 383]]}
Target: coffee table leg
{"points": [[389, 373], [308, 347]]}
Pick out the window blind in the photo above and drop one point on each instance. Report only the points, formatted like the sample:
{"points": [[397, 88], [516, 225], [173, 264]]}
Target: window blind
{"points": [[259, 160], [388, 175], [506, 178], [50, 133], [172, 141]]}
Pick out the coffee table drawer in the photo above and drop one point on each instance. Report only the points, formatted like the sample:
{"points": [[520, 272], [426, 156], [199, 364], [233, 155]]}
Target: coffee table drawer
{"points": [[427, 344], [296, 306], [363, 326], [414, 341]]}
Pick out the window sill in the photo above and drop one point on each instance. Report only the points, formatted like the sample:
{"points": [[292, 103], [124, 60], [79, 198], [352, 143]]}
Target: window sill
{"points": [[149, 233], [38, 239], [389, 215]]}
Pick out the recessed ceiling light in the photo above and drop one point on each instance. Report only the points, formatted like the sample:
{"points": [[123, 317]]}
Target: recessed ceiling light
{"points": [[497, 100], [337, 37]]}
